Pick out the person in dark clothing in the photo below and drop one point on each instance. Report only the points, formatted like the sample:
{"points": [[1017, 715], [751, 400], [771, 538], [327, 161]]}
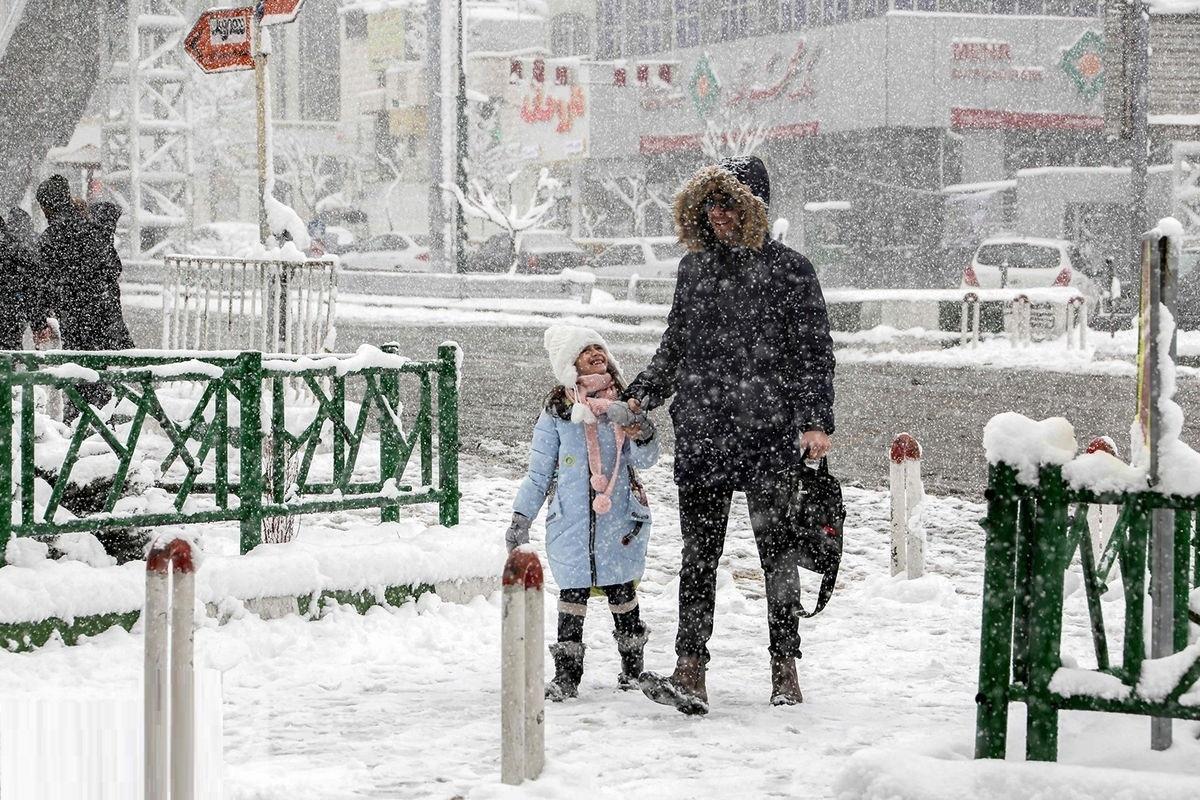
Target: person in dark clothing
{"points": [[105, 216], [20, 281], [77, 258], [748, 357]]}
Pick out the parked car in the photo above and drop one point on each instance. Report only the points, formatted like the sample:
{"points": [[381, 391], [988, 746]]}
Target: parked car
{"points": [[656, 257], [230, 239], [542, 252], [1021, 262], [400, 251]]}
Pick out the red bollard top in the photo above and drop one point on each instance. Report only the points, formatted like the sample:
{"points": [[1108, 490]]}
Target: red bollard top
{"points": [[1021, 298], [1103, 444], [177, 552], [523, 567], [905, 448]]}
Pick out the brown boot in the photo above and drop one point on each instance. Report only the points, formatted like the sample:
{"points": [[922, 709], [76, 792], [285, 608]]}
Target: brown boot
{"points": [[785, 686], [684, 689]]}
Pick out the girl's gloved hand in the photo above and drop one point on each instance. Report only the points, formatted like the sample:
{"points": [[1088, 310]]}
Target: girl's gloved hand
{"points": [[518, 532]]}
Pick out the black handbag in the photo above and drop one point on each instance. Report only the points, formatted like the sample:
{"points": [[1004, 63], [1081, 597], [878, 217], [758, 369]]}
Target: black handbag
{"points": [[816, 520]]}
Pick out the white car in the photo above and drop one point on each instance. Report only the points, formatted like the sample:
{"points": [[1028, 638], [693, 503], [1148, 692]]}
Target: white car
{"points": [[228, 239], [656, 257], [1022, 262], [399, 251]]}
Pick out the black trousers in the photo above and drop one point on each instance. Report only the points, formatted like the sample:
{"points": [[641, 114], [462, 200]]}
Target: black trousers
{"points": [[703, 519], [622, 602]]}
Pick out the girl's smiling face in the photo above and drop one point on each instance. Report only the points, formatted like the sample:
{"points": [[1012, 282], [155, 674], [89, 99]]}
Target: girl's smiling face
{"points": [[592, 361]]}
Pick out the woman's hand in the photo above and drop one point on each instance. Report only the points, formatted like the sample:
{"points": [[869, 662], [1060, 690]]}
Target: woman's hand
{"points": [[634, 405]]}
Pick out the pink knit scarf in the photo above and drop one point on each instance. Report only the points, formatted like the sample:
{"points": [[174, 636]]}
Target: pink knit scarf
{"points": [[597, 393]]}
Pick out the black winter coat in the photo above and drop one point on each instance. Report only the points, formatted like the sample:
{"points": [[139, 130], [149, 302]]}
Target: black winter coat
{"points": [[82, 272], [747, 352], [21, 282]]}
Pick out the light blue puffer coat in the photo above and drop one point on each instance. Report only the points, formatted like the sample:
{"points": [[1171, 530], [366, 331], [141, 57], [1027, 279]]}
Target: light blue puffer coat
{"points": [[585, 548]]}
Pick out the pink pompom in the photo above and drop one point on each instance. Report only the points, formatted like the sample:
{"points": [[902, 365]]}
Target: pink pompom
{"points": [[602, 504], [599, 483]]}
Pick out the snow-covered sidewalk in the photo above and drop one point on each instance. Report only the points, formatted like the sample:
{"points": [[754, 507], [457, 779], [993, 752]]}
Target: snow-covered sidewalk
{"points": [[404, 703]]}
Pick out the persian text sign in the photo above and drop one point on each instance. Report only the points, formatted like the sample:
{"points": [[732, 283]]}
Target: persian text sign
{"points": [[220, 40], [551, 120]]}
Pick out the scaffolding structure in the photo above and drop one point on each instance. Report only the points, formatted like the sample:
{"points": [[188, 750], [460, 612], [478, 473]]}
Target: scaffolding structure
{"points": [[147, 136]]}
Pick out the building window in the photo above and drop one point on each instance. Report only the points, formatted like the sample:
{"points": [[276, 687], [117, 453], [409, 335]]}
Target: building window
{"points": [[793, 15], [610, 29], [735, 19], [356, 25], [570, 35], [652, 32], [687, 23], [1085, 8], [1031, 7]]}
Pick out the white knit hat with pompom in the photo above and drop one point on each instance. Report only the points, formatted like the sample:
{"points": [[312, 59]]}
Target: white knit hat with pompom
{"points": [[563, 344]]}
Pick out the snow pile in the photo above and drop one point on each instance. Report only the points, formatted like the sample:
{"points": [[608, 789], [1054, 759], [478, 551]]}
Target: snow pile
{"points": [[876, 774], [1070, 682], [1026, 444], [318, 559], [1104, 472], [929, 588], [1161, 675]]}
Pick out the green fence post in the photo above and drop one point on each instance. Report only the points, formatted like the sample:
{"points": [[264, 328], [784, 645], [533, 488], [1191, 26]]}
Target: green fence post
{"points": [[250, 482], [28, 473], [1023, 605], [6, 447], [1134, 557], [389, 444], [1045, 630], [448, 434], [995, 646]]}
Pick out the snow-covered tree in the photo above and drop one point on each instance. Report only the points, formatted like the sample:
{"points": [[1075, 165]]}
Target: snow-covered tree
{"points": [[732, 134], [480, 202], [637, 195]]}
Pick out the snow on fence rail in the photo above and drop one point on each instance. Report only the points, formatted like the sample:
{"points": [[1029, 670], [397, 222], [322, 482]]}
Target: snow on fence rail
{"points": [[215, 303], [199, 427]]}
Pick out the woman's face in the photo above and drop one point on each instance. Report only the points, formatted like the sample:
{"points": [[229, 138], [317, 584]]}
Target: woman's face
{"points": [[723, 216], [592, 361]]}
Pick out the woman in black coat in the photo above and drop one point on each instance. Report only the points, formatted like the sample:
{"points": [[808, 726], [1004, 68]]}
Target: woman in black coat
{"points": [[748, 357], [20, 281]]}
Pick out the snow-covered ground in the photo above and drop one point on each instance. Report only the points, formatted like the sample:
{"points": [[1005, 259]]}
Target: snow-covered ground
{"points": [[404, 703]]}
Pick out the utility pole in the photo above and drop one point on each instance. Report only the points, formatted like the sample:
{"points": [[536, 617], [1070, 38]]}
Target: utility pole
{"points": [[434, 83], [1137, 32], [261, 51], [460, 150]]}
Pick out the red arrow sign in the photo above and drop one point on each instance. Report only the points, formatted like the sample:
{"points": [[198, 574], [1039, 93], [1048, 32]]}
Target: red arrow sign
{"points": [[220, 40], [277, 12]]}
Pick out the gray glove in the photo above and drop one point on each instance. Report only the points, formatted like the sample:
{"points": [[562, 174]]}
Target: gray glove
{"points": [[619, 414], [518, 531], [647, 429]]}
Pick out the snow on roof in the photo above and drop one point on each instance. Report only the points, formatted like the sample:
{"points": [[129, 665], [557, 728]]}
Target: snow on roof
{"points": [[828, 205], [983, 186], [1026, 444], [1037, 241], [1087, 170], [1174, 6]]}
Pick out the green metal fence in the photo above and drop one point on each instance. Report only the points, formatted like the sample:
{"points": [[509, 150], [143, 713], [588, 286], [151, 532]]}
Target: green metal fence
{"points": [[1033, 534], [226, 452]]}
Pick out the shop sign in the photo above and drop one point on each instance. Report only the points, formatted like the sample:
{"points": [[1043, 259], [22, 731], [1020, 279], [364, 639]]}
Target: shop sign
{"points": [[1084, 64]]}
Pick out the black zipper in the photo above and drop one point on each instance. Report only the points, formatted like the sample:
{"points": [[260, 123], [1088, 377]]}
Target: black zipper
{"points": [[592, 530]]}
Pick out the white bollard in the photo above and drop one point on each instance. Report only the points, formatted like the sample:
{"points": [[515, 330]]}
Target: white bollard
{"points": [[1076, 324], [1022, 327], [522, 676], [170, 729], [908, 493], [1102, 519], [970, 320]]}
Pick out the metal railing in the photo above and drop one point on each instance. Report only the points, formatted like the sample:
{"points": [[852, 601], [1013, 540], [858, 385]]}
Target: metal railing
{"points": [[212, 303], [1032, 538], [223, 454]]}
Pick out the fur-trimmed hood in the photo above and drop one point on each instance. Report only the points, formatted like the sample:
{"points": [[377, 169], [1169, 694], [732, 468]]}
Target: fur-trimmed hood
{"points": [[735, 179]]}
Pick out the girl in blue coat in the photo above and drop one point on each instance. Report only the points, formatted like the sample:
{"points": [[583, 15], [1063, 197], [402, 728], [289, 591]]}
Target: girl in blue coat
{"points": [[586, 446]]}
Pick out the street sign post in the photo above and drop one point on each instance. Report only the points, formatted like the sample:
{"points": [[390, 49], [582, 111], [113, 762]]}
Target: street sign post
{"points": [[277, 12], [220, 41]]}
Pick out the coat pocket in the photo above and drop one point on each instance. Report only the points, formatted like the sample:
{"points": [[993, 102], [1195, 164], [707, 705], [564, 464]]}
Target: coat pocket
{"points": [[554, 508]]}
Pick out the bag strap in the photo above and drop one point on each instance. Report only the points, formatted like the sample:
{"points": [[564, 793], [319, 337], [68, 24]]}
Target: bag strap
{"points": [[826, 591]]}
